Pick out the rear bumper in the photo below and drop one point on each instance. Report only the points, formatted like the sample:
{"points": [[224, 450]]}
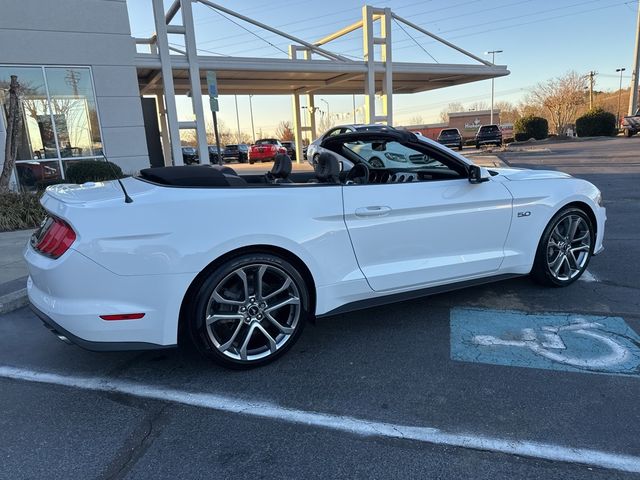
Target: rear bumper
{"points": [[68, 337], [71, 292]]}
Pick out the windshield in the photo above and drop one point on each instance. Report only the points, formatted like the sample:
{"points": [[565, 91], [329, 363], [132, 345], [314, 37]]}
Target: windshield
{"points": [[391, 155], [449, 132]]}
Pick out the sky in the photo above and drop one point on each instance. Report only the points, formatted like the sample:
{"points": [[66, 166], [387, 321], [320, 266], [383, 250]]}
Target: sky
{"points": [[541, 39]]}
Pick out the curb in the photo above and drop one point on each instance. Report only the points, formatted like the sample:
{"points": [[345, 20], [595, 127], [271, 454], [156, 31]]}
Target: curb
{"points": [[13, 295], [13, 301]]}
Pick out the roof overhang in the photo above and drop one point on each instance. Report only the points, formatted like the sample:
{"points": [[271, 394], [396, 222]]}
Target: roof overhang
{"points": [[269, 76]]}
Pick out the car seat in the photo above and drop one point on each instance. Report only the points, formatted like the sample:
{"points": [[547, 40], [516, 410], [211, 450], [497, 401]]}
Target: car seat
{"points": [[327, 169], [281, 169]]}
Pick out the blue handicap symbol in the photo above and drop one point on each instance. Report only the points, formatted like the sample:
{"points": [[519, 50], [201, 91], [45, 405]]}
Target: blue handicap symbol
{"points": [[554, 341]]}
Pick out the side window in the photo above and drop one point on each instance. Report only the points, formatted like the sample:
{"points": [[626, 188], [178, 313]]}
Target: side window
{"points": [[336, 131], [393, 157]]}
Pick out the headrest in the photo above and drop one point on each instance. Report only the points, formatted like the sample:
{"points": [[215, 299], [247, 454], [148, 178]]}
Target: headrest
{"points": [[328, 168], [281, 166]]}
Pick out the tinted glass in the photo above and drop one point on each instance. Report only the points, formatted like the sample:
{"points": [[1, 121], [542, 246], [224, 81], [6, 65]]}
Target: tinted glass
{"points": [[74, 111], [37, 139]]}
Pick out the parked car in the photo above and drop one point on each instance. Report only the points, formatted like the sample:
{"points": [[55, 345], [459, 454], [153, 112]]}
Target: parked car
{"points": [[241, 286], [265, 150], [450, 137], [214, 154], [291, 149], [489, 135], [239, 153], [631, 124], [314, 149], [190, 155]]}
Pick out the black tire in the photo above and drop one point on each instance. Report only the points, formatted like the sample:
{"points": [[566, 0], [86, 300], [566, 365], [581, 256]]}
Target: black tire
{"points": [[203, 304], [251, 161], [375, 162], [460, 147], [477, 146], [541, 271]]}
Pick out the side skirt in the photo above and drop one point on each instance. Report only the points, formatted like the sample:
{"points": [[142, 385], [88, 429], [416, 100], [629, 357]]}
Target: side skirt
{"points": [[423, 292]]}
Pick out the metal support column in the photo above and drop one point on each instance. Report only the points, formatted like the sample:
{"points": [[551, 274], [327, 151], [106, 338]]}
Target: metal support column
{"points": [[369, 58], [387, 81], [167, 80], [164, 130], [194, 77]]}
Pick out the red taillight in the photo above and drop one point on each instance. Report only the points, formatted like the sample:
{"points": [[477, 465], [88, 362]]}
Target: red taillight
{"points": [[123, 316], [54, 237]]}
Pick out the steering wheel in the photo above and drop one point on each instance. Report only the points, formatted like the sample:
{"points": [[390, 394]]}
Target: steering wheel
{"points": [[359, 173]]}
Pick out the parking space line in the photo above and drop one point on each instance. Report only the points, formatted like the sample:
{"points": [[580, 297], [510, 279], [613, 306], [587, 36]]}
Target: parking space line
{"points": [[587, 276], [352, 425]]}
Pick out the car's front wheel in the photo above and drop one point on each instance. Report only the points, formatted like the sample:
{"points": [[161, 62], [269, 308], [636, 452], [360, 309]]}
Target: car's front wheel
{"points": [[249, 311], [375, 162], [565, 248]]}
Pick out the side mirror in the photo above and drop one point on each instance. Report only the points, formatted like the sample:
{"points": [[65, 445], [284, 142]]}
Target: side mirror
{"points": [[478, 174]]}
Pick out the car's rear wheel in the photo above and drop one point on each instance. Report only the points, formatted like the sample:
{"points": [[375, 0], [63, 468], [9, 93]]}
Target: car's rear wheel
{"points": [[249, 311], [565, 248]]}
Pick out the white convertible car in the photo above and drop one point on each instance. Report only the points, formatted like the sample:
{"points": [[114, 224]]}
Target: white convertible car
{"points": [[239, 263]]}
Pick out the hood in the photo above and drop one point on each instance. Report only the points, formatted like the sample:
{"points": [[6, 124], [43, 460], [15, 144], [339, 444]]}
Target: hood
{"points": [[515, 174]]}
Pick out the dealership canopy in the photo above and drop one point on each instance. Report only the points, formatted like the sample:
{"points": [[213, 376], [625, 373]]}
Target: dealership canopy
{"points": [[167, 70]]}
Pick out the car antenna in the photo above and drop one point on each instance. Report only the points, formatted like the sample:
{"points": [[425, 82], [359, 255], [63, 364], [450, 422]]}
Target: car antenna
{"points": [[127, 198]]}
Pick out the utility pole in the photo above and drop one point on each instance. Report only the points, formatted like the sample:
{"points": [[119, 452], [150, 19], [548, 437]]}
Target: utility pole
{"points": [[619, 94], [493, 61], [253, 130], [633, 95], [592, 74], [354, 108], [237, 118]]}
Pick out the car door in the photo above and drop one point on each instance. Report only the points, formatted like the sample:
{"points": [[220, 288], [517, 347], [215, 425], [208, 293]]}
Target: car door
{"points": [[410, 234]]}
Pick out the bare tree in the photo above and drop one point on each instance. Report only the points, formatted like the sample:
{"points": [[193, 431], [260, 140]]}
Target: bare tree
{"points": [[284, 131], [561, 97], [416, 120], [450, 108], [14, 132], [508, 111], [479, 106], [326, 122]]}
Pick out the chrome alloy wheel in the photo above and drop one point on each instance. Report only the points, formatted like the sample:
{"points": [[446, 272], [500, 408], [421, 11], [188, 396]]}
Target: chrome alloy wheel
{"points": [[569, 247], [253, 312]]}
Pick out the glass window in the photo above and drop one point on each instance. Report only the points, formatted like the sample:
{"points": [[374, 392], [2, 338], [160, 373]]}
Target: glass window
{"points": [[36, 140], [394, 156], [59, 120], [74, 111]]}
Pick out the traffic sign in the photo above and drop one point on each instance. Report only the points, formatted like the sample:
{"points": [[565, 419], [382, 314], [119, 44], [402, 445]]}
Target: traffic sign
{"points": [[212, 88]]}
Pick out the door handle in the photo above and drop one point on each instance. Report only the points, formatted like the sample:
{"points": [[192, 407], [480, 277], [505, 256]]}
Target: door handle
{"points": [[373, 211]]}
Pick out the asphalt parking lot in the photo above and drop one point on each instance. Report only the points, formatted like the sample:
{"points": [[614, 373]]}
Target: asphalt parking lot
{"points": [[411, 390]]}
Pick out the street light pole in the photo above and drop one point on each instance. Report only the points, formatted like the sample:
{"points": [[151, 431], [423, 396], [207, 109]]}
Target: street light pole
{"points": [[493, 61], [237, 118], [619, 94], [327, 104], [253, 130]]}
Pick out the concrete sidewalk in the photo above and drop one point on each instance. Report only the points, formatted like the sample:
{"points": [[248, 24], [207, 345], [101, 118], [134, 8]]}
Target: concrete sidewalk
{"points": [[13, 270]]}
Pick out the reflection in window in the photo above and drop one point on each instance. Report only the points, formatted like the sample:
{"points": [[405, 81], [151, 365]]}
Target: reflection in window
{"points": [[36, 175], [74, 111], [36, 139]]}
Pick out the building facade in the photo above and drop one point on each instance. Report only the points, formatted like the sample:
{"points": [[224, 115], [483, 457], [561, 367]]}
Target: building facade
{"points": [[74, 60]]}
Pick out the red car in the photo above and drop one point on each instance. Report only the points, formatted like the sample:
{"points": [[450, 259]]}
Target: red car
{"points": [[265, 150]]}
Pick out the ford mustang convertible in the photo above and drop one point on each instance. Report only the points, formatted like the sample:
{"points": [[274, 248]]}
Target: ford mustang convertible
{"points": [[237, 264]]}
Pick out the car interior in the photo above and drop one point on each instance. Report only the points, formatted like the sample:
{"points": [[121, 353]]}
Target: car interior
{"points": [[426, 164]]}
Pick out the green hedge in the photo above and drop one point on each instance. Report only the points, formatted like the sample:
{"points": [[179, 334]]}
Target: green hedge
{"points": [[19, 211], [82, 171], [531, 127], [596, 123]]}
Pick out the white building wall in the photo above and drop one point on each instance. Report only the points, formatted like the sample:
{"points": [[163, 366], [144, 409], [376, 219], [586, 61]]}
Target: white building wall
{"points": [[92, 33]]}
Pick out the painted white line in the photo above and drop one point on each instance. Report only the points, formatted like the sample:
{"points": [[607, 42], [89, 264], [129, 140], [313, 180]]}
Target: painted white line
{"points": [[587, 276], [547, 451]]}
